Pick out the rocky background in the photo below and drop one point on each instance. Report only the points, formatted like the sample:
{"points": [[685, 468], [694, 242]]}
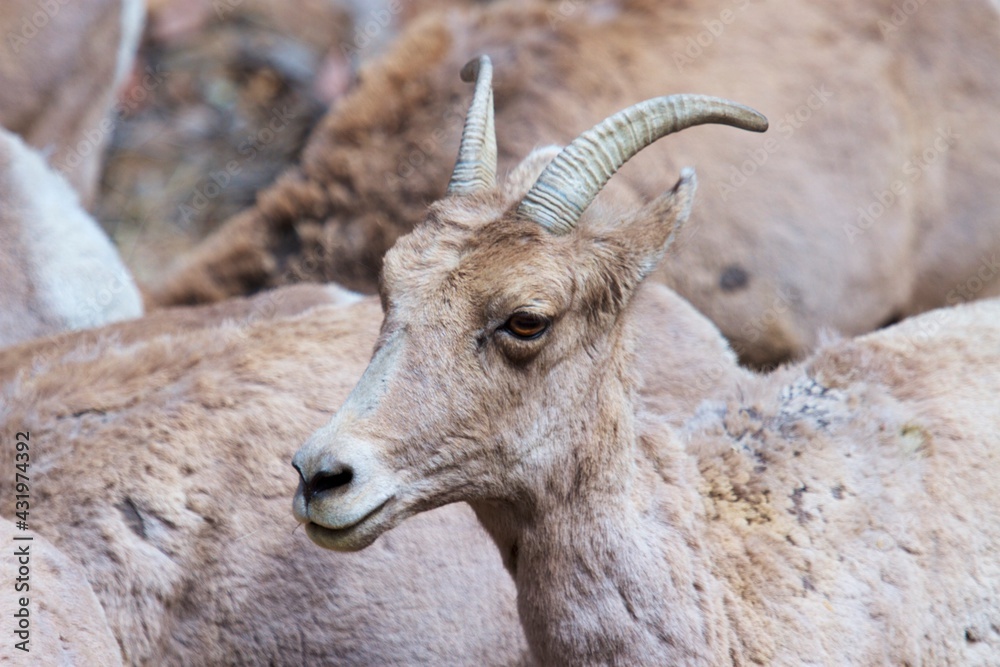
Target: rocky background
{"points": [[222, 99]]}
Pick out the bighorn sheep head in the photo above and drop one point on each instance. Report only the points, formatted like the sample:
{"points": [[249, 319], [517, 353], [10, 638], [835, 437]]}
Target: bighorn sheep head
{"points": [[503, 340]]}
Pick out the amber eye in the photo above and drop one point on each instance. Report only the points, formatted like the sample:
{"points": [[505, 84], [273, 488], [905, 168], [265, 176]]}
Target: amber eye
{"points": [[526, 326]]}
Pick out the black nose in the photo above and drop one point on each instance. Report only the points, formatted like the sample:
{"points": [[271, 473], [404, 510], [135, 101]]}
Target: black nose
{"points": [[339, 474]]}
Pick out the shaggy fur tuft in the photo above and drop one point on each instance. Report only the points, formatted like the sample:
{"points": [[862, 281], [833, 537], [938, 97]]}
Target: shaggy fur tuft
{"points": [[880, 161]]}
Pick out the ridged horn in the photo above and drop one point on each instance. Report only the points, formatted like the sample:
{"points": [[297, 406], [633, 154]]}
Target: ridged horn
{"points": [[569, 184], [476, 167]]}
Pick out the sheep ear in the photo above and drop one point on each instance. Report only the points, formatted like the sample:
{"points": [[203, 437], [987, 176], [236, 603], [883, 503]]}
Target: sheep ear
{"points": [[649, 232], [626, 252]]}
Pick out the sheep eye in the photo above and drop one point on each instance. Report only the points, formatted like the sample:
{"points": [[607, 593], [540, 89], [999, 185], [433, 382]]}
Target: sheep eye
{"points": [[526, 326]]}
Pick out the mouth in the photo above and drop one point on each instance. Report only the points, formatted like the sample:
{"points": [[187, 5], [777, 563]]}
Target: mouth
{"points": [[352, 537]]}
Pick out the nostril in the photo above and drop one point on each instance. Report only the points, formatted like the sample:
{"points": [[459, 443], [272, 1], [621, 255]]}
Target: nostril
{"points": [[325, 480]]}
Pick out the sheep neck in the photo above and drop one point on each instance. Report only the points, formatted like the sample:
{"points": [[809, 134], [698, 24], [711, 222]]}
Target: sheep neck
{"points": [[602, 577]]}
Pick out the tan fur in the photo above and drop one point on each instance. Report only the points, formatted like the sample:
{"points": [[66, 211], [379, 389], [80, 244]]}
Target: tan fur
{"points": [[176, 373], [840, 511], [771, 261], [159, 465], [58, 269], [67, 625], [61, 65]]}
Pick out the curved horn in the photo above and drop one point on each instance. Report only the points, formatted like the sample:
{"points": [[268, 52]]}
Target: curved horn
{"points": [[476, 167], [571, 181]]}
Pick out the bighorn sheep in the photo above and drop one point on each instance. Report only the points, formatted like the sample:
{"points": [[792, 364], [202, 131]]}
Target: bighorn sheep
{"points": [[157, 467], [61, 67], [877, 186], [60, 621], [841, 511], [58, 270], [157, 460]]}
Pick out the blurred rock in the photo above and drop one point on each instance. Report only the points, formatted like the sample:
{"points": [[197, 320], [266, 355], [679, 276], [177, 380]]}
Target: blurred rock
{"points": [[221, 101]]}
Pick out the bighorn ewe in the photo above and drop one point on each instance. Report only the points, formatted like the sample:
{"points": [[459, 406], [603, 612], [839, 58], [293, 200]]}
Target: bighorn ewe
{"points": [[61, 67], [58, 270], [157, 466], [877, 186], [158, 452], [842, 511]]}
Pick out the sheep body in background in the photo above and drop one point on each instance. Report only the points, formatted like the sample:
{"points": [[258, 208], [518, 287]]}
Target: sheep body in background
{"points": [[58, 269], [65, 624], [838, 511], [877, 185], [159, 463], [61, 66], [160, 467]]}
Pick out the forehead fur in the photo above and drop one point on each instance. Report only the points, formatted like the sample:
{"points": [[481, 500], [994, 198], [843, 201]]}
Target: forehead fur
{"points": [[453, 227], [477, 244], [476, 249]]}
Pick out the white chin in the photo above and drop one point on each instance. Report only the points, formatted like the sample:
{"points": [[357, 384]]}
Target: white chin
{"points": [[351, 538]]}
